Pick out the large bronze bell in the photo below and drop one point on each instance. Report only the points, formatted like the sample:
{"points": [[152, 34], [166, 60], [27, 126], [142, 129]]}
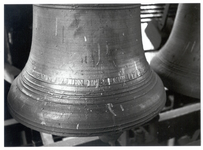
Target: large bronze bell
{"points": [[178, 62], [86, 74]]}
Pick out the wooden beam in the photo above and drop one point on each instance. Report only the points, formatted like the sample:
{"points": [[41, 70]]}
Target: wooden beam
{"points": [[46, 138], [179, 112], [74, 141], [10, 122], [10, 72]]}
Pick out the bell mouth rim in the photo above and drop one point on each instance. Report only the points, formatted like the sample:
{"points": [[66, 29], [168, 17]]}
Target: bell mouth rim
{"points": [[89, 6]]}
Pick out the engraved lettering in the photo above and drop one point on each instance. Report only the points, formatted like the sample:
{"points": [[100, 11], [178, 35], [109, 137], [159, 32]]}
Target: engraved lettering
{"points": [[97, 83], [123, 71], [103, 82], [79, 82], [115, 80], [109, 82], [121, 78], [88, 82], [92, 82], [70, 82], [131, 76], [126, 77]]}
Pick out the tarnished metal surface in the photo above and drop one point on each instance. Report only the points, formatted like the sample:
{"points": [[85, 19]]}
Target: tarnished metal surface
{"points": [[86, 74], [178, 62]]}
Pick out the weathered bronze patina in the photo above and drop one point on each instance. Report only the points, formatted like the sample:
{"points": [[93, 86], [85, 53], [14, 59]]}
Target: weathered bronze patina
{"points": [[86, 74]]}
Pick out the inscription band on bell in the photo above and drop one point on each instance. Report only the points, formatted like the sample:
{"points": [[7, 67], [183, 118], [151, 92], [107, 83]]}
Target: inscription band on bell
{"points": [[88, 82]]}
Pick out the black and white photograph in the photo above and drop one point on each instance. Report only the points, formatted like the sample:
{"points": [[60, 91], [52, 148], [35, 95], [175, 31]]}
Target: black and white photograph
{"points": [[102, 74]]}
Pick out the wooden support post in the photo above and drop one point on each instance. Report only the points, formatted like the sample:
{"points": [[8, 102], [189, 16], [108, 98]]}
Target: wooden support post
{"points": [[10, 72], [46, 138], [123, 139]]}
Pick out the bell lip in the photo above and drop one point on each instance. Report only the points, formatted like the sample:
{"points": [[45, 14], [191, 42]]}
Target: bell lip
{"points": [[88, 6], [55, 131], [75, 132]]}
